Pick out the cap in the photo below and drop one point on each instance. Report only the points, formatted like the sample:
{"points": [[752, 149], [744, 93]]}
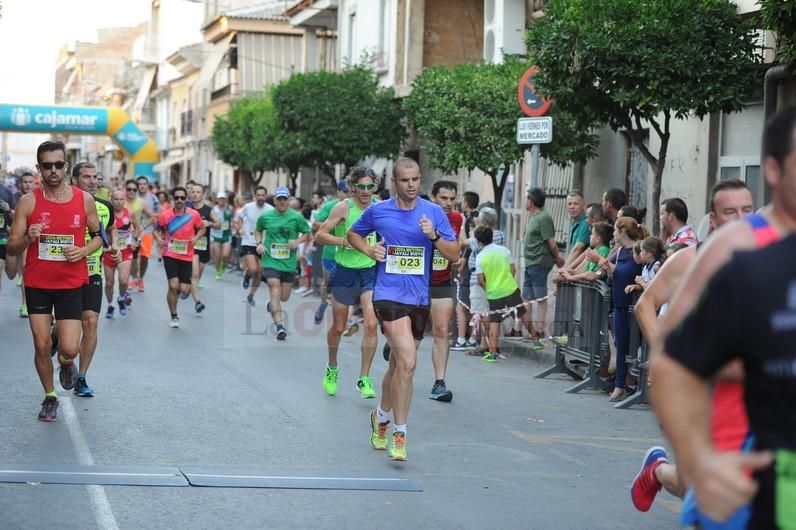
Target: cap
{"points": [[342, 185], [281, 191], [221, 195]]}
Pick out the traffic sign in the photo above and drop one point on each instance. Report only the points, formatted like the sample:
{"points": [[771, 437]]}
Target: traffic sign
{"points": [[531, 104], [535, 130]]}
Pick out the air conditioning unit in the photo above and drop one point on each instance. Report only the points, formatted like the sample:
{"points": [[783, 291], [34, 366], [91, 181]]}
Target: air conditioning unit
{"points": [[504, 29]]}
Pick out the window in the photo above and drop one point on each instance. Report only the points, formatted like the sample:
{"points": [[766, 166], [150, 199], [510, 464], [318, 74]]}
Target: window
{"points": [[745, 168]]}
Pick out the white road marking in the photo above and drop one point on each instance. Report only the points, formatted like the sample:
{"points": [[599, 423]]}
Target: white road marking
{"points": [[100, 505]]}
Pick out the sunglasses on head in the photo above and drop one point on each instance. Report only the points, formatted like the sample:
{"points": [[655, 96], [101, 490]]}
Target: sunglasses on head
{"points": [[49, 165], [180, 197], [366, 187]]}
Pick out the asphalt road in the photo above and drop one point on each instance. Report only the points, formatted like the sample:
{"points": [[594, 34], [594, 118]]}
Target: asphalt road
{"points": [[510, 451]]}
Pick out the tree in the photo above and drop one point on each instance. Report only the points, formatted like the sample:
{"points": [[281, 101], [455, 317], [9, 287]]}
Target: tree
{"points": [[634, 65], [780, 16], [330, 118], [247, 137], [466, 117]]}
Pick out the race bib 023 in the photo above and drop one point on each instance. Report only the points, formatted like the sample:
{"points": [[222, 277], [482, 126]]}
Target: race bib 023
{"points": [[179, 247], [405, 260], [280, 251], [51, 246], [438, 262]]}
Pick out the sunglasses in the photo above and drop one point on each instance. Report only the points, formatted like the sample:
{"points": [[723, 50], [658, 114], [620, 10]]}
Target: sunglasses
{"points": [[365, 187], [180, 197], [49, 165]]}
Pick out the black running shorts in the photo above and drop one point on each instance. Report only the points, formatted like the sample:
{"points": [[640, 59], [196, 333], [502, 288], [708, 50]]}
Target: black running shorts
{"points": [[177, 268], [388, 311], [91, 293], [68, 303]]}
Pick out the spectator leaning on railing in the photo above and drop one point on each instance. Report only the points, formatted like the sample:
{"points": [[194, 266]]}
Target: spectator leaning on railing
{"points": [[623, 269], [579, 231], [586, 267]]}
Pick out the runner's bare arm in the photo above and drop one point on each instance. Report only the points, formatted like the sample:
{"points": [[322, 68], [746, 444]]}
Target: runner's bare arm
{"points": [[376, 252], [93, 226], [216, 222], [200, 232], [714, 254], [323, 235], [660, 291], [21, 236]]}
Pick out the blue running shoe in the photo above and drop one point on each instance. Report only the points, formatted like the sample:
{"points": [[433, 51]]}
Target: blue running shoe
{"points": [[320, 312], [82, 389], [246, 281]]}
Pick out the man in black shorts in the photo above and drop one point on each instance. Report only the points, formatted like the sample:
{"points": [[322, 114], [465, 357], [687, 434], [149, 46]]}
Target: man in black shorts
{"points": [[50, 226], [182, 227], [84, 176], [202, 248], [411, 228]]}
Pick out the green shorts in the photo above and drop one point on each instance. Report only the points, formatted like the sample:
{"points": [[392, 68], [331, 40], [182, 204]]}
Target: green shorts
{"points": [[222, 239]]}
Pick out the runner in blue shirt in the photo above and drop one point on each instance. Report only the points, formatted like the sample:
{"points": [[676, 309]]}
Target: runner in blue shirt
{"points": [[410, 229]]}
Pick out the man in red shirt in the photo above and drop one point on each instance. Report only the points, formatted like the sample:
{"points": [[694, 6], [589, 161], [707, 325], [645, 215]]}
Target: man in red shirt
{"points": [[50, 225], [183, 227], [442, 292]]}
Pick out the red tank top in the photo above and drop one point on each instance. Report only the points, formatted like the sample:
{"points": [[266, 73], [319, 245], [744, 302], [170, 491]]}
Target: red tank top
{"points": [[440, 267], [63, 225], [729, 422]]}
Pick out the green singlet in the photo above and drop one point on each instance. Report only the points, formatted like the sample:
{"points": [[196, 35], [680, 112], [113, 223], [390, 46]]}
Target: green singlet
{"points": [[348, 257]]}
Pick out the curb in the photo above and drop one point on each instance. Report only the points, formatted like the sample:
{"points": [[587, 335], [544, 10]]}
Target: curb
{"points": [[520, 348]]}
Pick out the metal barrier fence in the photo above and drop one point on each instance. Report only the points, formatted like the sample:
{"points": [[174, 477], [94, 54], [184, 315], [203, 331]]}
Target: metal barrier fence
{"points": [[581, 313]]}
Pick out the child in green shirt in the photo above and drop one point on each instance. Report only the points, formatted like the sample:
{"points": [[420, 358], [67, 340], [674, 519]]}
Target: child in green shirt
{"points": [[586, 268]]}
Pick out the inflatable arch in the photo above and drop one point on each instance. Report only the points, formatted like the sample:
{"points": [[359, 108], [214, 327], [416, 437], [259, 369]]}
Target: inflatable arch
{"points": [[111, 121]]}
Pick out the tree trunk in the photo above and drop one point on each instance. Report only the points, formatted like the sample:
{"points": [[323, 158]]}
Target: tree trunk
{"points": [[293, 178], [498, 187], [656, 194]]}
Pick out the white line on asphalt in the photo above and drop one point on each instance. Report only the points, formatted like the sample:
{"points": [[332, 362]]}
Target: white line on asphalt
{"points": [[100, 505], [295, 478], [88, 473]]}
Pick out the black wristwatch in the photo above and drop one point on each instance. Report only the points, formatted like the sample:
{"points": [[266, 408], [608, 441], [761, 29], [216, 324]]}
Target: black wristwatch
{"points": [[436, 238]]}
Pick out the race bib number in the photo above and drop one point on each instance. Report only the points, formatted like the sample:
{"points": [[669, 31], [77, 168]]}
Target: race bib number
{"points": [[51, 246], [371, 239], [225, 225], [2, 221], [94, 266], [406, 260], [439, 263], [122, 239], [201, 244], [280, 251], [785, 466], [179, 247]]}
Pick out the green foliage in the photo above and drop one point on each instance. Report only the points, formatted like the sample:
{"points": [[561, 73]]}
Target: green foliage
{"points": [[466, 117], [629, 63], [329, 118], [247, 135], [780, 16]]}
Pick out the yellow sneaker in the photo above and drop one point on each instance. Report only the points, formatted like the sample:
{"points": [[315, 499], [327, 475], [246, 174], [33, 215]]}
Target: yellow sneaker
{"points": [[378, 438], [397, 450]]}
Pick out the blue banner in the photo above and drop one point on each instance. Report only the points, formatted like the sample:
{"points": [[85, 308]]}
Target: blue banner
{"points": [[32, 118]]}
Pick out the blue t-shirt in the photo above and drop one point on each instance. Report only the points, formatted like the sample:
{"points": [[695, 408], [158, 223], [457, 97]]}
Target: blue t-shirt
{"points": [[405, 276], [625, 274]]}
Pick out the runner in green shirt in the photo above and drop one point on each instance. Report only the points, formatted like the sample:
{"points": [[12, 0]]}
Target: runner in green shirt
{"points": [[329, 251], [352, 279], [278, 234]]}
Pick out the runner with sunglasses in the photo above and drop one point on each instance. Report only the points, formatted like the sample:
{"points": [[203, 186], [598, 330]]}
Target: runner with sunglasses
{"points": [[50, 226], [183, 227], [352, 279], [278, 234]]}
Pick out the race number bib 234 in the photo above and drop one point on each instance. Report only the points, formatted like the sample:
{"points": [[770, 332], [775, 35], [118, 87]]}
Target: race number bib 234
{"points": [[280, 251], [405, 260], [51, 246]]}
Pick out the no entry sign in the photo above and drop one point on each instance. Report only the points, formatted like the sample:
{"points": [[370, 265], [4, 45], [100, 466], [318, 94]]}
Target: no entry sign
{"points": [[530, 102]]}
